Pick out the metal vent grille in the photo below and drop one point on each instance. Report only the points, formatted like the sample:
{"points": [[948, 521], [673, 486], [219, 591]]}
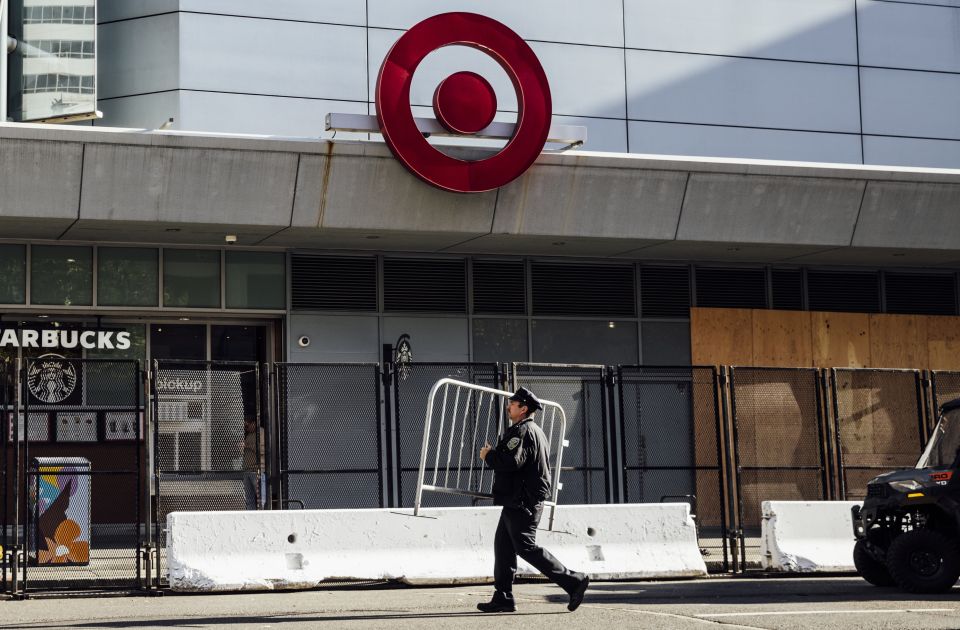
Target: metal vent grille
{"points": [[921, 294], [336, 284], [583, 290], [411, 284], [787, 289], [665, 291], [499, 287], [849, 291], [731, 288]]}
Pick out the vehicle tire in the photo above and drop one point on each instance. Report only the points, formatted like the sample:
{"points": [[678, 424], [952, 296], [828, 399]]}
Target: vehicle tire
{"points": [[869, 568], [924, 561]]}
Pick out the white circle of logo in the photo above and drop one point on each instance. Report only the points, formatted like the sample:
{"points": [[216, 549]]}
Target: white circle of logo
{"points": [[51, 379]]}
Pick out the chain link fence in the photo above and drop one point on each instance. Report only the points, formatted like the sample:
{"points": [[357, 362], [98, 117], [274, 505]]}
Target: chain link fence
{"points": [[945, 386], [330, 435], [778, 437], [411, 384], [670, 427], [582, 392], [879, 417], [80, 438], [208, 438]]}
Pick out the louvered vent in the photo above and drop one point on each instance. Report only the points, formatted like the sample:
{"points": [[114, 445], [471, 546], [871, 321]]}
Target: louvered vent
{"points": [[333, 283], [665, 291], [499, 287], [932, 294], [731, 288], [411, 284], [787, 289], [583, 290], [850, 291]]}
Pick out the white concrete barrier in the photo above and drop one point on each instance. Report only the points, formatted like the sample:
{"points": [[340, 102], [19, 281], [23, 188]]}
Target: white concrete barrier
{"points": [[807, 536], [227, 551]]}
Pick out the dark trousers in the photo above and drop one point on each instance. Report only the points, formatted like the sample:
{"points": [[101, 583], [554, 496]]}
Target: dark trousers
{"points": [[517, 536]]}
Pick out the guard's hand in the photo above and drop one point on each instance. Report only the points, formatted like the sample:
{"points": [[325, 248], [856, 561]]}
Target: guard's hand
{"points": [[486, 448]]}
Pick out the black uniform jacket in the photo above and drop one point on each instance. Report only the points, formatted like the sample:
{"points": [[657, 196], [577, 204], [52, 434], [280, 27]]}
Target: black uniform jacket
{"points": [[521, 466]]}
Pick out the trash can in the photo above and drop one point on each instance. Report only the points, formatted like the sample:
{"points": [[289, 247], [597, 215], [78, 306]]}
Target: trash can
{"points": [[59, 511]]}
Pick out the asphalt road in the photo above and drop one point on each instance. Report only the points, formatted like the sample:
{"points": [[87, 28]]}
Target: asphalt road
{"points": [[781, 603]]}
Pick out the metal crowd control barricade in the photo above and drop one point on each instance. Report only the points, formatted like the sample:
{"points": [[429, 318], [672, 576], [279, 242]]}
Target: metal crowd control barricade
{"points": [[462, 409]]}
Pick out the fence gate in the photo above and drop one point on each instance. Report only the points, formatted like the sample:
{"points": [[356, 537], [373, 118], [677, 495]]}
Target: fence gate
{"points": [[670, 424], [330, 435], [208, 439], [583, 392], [412, 383], [945, 386], [80, 436], [7, 477], [778, 441], [880, 424]]}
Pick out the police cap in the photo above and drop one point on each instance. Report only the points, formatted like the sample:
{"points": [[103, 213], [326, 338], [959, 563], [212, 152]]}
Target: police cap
{"points": [[527, 399]]}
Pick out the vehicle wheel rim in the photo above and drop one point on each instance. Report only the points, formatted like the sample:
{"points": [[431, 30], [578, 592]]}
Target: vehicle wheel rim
{"points": [[925, 563]]}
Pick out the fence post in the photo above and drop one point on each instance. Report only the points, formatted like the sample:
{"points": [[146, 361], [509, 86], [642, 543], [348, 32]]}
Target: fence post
{"points": [[387, 380]]}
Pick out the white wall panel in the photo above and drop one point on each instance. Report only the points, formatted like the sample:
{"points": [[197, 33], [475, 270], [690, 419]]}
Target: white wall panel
{"points": [[272, 57], [143, 111], [738, 142], [603, 134], [138, 56], [267, 115], [904, 103], [584, 80], [334, 339], [806, 30], [898, 35], [434, 339], [328, 11], [729, 91], [598, 22], [911, 152]]}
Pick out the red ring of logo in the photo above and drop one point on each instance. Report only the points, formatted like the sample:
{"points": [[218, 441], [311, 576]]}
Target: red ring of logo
{"points": [[534, 107]]}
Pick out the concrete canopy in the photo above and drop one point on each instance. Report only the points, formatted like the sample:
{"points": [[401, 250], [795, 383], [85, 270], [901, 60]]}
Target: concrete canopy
{"points": [[134, 186]]}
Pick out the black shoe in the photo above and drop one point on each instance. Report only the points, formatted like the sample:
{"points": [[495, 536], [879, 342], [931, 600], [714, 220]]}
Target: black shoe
{"points": [[576, 597], [496, 606]]}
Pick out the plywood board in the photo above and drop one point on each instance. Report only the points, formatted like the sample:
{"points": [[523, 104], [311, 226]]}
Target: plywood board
{"points": [[840, 339], [898, 341], [943, 343], [782, 338], [721, 336]]}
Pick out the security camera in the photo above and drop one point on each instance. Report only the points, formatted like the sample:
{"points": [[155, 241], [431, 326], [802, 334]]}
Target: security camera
{"points": [[231, 239], [303, 341]]}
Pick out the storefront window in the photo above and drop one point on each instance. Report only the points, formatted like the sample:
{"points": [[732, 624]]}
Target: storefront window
{"points": [[499, 340], [61, 276], [13, 274], [127, 276], [115, 384], [191, 278], [596, 342], [178, 341], [256, 280]]}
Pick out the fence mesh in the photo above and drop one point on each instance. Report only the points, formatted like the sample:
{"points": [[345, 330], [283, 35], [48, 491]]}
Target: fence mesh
{"points": [[670, 428], [946, 387], [879, 419], [581, 391], [778, 438], [330, 446], [81, 440], [412, 390], [7, 387], [209, 441]]}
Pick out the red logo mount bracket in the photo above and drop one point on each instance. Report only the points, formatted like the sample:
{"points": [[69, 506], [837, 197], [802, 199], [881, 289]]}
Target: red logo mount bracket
{"points": [[464, 102]]}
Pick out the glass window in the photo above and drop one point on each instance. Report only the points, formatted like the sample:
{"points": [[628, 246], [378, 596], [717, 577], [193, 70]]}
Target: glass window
{"points": [[13, 274], [115, 384], [499, 340], [61, 276], [191, 278], [256, 280], [596, 342], [127, 277], [178, 341]]}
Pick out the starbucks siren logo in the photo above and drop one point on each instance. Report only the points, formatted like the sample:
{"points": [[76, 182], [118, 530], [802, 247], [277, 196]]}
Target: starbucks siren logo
{"points": [[51, 379]]}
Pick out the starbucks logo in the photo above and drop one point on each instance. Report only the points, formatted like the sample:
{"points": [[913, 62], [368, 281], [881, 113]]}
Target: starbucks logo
{"points": [[51, 379]]}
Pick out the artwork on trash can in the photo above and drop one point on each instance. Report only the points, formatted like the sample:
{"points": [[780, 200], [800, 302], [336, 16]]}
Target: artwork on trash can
{"points": [[62, 516]]}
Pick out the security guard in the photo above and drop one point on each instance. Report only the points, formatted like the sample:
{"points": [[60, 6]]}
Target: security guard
{"points": [[521, 483]]}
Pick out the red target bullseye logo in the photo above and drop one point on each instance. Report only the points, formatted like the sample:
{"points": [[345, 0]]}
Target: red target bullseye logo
{"points": [[464, 103]]}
